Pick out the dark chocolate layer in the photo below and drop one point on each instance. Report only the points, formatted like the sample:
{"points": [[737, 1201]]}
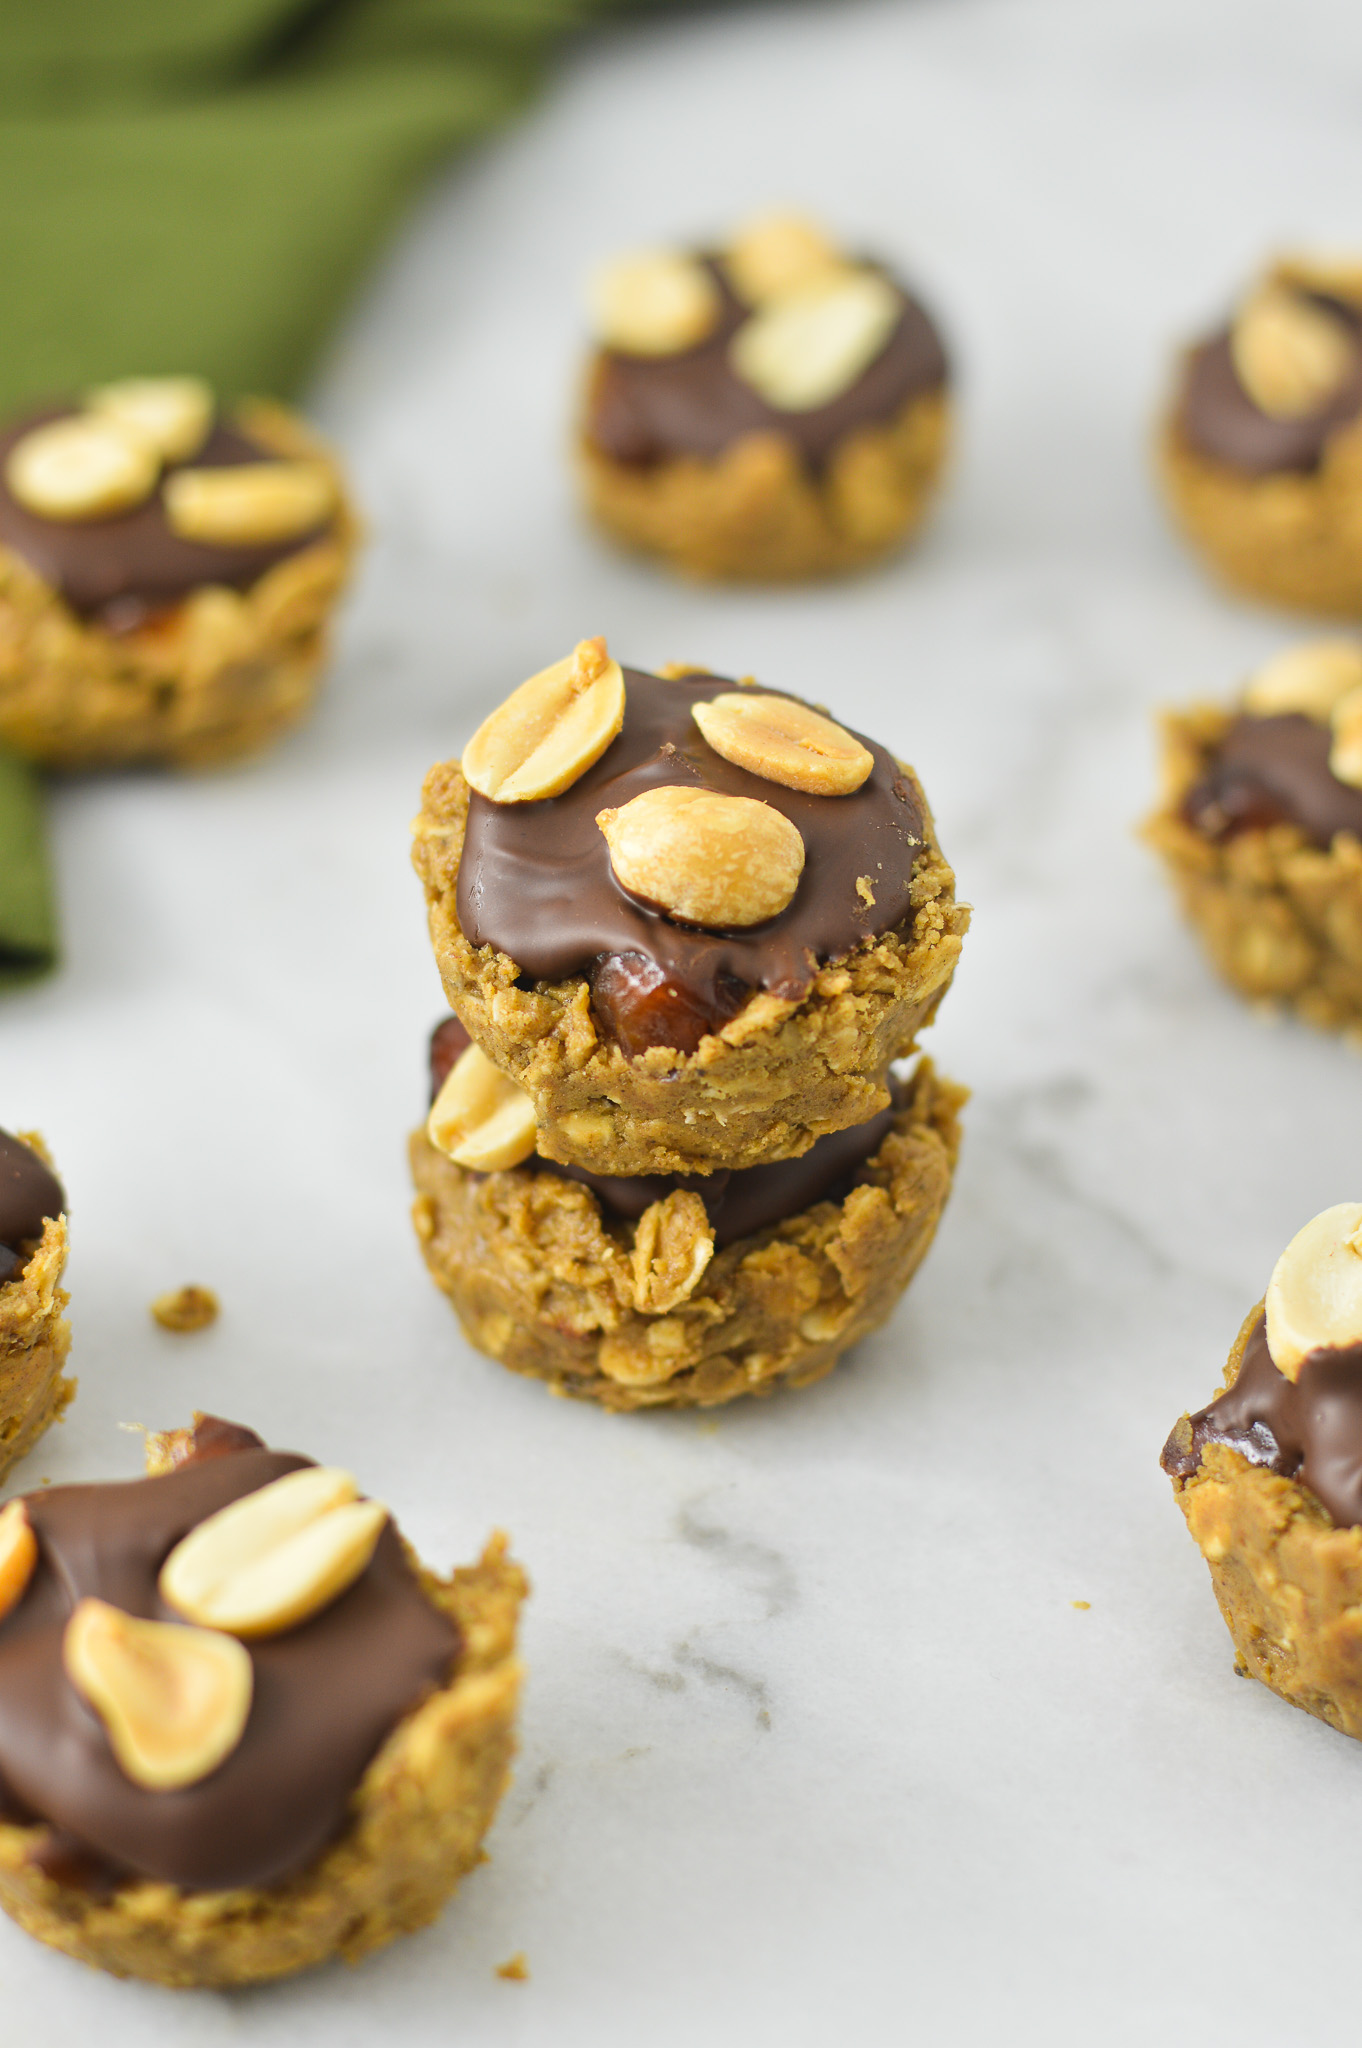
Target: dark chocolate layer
{"points": [[123, 569], [1309, 1430], [326, 1693], [1273, 771], [535, 879], [30, 1193], [1217, 417], [642, 410]]}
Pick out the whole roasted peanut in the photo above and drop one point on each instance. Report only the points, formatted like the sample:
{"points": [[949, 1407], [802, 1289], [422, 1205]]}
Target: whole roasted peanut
{"points": [[252, 504], [84, 467], [1310, 678], [656, 303], [174, 413], [711, 860], [802, 351], [1290, 354], [18, 1554], [275, 1557], [786, 742], [480, 1118], [550, 730], [779, 253], [174, 1701], [1314, 1298]]}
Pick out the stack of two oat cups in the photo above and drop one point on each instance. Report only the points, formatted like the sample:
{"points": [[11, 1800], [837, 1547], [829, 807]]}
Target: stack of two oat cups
{"points": [[687, 927]]}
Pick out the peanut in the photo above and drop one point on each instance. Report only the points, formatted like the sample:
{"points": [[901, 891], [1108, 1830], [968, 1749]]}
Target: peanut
{"points": [[1314, 1298], [550, 730], [480, 1119], [802, 351], [784, 741], [174, 1701], [716, 861]]}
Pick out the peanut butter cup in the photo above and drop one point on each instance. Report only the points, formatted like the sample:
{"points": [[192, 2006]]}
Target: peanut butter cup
{"points": [[241, 1730], [35, 1337], [772, 411]]}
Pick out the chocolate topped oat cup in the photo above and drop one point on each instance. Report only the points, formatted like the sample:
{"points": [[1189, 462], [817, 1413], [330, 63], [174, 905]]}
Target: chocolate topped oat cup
{"points": [[167, 575], [242, 1730], [1261, 448], [35, 1337], [767, 412], [694, 921]]}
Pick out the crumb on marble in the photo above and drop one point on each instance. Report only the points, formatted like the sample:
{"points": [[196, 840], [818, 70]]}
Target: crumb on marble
{"points": [[186, 1308], [515, 1970], [1080, 1603]]}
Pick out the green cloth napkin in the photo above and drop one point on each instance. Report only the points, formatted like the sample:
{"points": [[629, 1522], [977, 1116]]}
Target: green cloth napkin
{"points": [[197, 185]]}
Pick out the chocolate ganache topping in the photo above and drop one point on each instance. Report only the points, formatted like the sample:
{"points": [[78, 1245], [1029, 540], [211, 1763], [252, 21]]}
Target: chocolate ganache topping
{"points": [[1273, 771], [1216, 416], [326, 1693], [1309, 1430], [30, 1193], [642, 410], [123, 569], [535, 879]]}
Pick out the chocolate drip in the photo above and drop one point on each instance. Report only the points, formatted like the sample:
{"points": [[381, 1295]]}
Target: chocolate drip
{"points": [[1309, 1430], [30, 1193], [1272, 771], [642, 410], [124, 569], [326, 1693], [1217, 417], [535, 879]]}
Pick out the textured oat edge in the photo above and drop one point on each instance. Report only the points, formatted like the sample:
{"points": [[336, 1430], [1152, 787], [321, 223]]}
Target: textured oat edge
{"points": [[541, 1282], [1288, 539], [35, 1339], [420, 1814], [217, 679], [1280, 918], [1288, 1581], [779, 1076], [756, 513]]}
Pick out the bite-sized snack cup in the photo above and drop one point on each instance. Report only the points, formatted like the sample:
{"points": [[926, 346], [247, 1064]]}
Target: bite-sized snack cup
{"points": [[167, 576], [1260, 826], [35, 1336], [772, 411], [689, 965], [1261, 448], [1269, 1477], [659, 1291], [242, 1729]]}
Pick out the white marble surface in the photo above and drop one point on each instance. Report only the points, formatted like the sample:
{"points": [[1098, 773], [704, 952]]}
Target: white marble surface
{"points": [[816, 1747]]}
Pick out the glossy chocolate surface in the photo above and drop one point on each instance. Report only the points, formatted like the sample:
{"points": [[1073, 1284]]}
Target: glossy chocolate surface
{"points": [[1217, 417], [1308, 1430], [121, 570], [326, 1693], [535, 879], [642, 410], [30, 1193], [1273, 771]]}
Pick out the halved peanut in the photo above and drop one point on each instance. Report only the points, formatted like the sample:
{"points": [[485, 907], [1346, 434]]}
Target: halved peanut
{"points": [[673, 1244], [550, 730], [275, 1557], [480, 1119], [656, 303], [174, 413], [1314, 1298], [83, 467], [711, 860], [18, 1554], [1345, 755], [1310, 678], [804, 350], [174, 1701], [779, 253], [786, 742], [1290, 353], [252, 504]]}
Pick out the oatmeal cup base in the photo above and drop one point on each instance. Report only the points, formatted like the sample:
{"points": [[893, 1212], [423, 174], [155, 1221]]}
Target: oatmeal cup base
{"points": [[758, 514], [35, 1339], [213, 679], [419, 1816], [543, 1283], [1287, 1578], [1288, 539], [1280, 917], [774, 1079]]}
